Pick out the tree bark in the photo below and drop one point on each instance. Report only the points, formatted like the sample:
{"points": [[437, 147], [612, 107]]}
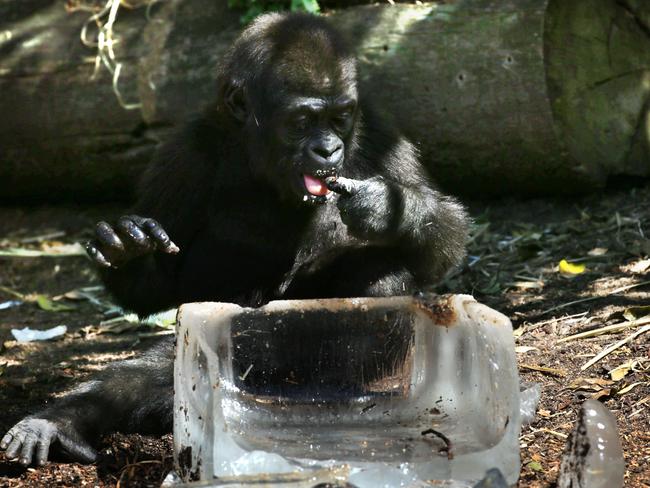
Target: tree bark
{"points": [[501, 96], [63, 133]]}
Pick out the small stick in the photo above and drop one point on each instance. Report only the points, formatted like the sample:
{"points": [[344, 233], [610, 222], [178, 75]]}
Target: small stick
{"points": [[243, 377], [552, 432], [536, 326], [613, 347], [621, 326], [589, 299], [543, 369]]}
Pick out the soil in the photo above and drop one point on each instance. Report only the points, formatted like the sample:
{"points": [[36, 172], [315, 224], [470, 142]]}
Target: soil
{"points": [[512, 266]]}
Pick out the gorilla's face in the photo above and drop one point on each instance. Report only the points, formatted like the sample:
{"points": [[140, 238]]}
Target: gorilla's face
{"points": [[312, 137], [298, 106]]}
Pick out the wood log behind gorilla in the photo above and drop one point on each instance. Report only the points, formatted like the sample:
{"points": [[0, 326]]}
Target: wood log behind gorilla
{"points": [[289, 186]]}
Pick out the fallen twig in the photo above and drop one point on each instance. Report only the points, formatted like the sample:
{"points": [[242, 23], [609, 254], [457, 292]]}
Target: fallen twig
{"points": [[536, 326], [60, 251], [543, 369], [608, 329], [589, 299], [613, 347], [552, 432]]}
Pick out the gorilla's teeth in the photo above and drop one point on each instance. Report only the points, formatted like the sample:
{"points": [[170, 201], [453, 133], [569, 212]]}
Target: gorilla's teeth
{"points": [[305, 198]]}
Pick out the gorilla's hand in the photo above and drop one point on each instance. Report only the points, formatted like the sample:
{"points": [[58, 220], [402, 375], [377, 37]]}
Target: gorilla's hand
{"points": [[131, 237], [369, 208], [30, 440]]}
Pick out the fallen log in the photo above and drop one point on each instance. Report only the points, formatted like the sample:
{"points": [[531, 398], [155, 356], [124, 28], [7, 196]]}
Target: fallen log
{"points": [[502, 97]]}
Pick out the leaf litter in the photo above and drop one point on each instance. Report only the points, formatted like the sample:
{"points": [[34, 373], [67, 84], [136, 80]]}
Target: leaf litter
{"points": [[513, 266]]}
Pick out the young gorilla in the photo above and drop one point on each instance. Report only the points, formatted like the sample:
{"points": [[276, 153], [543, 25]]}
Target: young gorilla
{"points": [[288, 186]]}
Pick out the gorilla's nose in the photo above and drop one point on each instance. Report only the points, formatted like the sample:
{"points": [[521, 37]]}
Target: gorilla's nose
{"points": [[326, 153]]}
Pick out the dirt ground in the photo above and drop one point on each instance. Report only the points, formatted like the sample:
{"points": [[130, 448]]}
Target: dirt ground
{"points": [[513, 266]]}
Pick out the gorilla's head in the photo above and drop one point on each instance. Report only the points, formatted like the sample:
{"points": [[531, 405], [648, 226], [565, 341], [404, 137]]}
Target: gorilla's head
{"points": [[290, 82]]}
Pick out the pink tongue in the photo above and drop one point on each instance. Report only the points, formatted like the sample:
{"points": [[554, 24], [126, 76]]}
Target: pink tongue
{"points": [[315, 186]]}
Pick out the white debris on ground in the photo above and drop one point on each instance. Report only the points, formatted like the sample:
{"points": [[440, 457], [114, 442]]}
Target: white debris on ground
{"points": [[28, 335]]}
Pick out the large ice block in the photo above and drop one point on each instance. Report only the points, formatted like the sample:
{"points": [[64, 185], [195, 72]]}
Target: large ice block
{"points": [[395, 390]]}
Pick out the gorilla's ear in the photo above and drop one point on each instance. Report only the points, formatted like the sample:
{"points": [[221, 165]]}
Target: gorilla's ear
{"points": [[234, 98]]}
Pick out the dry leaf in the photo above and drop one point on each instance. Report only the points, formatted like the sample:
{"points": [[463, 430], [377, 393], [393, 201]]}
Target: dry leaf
{"points": [[640, 266], [518, 332], [618, 373], [635, 313], [594, 384], [524, 349], [73, 295], [598, 251], [605, 392], [628, 388]]}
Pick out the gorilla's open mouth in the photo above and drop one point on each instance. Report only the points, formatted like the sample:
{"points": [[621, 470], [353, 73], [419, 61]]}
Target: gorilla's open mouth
{"points": [[311, 185], [315, 186]]}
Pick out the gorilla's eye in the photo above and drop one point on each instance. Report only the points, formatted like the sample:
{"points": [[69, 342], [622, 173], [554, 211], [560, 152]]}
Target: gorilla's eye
{"points": [[343, 120], [299, 122]]}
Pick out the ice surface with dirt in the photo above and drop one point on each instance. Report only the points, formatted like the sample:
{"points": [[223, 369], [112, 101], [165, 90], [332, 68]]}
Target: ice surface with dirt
{"points": [[593, 457], [371, 391]]}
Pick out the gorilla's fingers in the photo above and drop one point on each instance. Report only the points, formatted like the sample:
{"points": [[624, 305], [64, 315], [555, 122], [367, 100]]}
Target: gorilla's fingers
{"points": [[160, 237], [126, 226], [6, 440], [107, 236], [96, 255], [343, 186], [14, 446], [27, 451], [42, 450]]}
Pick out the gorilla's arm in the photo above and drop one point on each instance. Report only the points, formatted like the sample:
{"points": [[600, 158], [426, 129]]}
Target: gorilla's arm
{"points": [[392, 199], [130, 396], [144, 252]]}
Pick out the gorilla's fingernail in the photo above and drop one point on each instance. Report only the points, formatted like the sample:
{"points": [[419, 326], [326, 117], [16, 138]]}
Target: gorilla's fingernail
{"points": [[172, 248], [332, 184], [97, 256], [102, 261]]}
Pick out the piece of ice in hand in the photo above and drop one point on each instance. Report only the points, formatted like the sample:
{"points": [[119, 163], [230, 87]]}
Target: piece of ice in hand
{"points": [[593, 457], [406, 388]]}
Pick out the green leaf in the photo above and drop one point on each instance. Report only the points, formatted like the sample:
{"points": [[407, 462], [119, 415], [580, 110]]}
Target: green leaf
{"points": [[535, 466], [310, 6], [46, 304], [635, 313], [252, 12]]}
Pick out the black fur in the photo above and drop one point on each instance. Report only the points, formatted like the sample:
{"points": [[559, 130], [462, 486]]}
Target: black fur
{"points": [[229, 191]]}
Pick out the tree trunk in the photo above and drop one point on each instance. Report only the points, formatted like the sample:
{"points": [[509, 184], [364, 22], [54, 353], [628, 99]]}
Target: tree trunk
{"points": [[63, 133], [502, 96]]}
